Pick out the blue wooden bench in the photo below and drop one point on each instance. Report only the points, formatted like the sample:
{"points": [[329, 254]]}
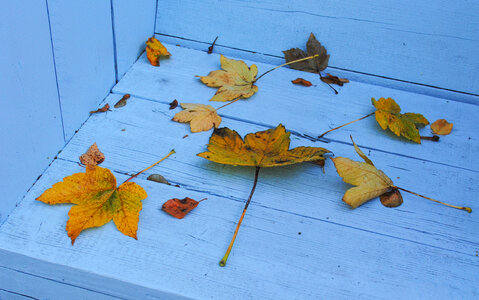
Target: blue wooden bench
{"points": [[60, 60]]}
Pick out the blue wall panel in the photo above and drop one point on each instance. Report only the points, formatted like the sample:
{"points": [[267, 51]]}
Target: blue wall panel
{"points": [[134, 23], [84, 56], [30, 120]]}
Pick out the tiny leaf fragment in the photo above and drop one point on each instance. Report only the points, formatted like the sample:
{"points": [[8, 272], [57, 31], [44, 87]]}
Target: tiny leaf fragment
{"points": [[301, 81], [179, 208], [442, 127], [105, 108], [93, 156], [331, 79], [122, 101]]}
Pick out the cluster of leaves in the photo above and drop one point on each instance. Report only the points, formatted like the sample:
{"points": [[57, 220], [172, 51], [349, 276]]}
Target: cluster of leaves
{"points": [[97, 199]]}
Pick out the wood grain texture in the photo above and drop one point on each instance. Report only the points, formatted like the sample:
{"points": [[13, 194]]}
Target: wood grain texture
{"points": [[313, 110], [420, 250], [433, 42], [83, 48], [134, 23], [30, 120]]}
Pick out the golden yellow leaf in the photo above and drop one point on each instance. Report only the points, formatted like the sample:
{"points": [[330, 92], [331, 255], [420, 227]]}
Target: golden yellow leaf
{"points": [[155, 50], [370, 182], [201, 117], [234, 81], [98, 201], [269, 148], [388, 116], [442, 127]]}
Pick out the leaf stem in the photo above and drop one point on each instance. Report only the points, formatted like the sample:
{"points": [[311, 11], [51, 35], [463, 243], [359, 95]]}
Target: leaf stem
{"points": [[468, 209], [321, 77], [170, 153], [433, 138], [288, 63], [225, 258], [346, 124], [228, 103], [210, 48]]}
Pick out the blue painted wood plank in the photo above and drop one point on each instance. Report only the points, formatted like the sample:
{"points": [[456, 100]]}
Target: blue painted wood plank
{"points": [[432, 42], [30, 120], [312, 110], [84, 56], [134, 23]]}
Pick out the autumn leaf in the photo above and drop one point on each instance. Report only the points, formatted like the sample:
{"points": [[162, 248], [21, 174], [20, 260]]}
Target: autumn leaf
{"points": [[442, 127], [313, 47], [269, 148], [301, 81], [388, 116], [97, 201], [234, 81], [201, 117], [370, 183], [173, 104], [180, 208], [105, 108], [122, 101], [93, 156], [155, 50], [331, 79]]}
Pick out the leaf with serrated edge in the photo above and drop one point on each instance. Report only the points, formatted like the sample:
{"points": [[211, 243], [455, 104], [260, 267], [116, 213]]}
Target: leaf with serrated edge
{"points": [[234, 81], [97, 201], [201, 117], [269, 148]]}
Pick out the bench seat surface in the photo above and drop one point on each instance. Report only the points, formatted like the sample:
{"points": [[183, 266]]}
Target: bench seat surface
{"points": [[298, 239]]}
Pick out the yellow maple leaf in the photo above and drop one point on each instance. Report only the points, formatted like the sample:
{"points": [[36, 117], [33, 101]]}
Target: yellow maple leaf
{"points": [[442, 127], [388, 116], [234, 81], [155, 50], [98, 201], [201, 117], [269, 148]]}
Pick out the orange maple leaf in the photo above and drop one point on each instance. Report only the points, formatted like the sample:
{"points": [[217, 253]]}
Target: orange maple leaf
{"points": [[98, 201]]}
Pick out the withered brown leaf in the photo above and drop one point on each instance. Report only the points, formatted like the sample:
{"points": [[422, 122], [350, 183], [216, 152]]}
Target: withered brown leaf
{"points": [[313, 47], [93, 156], [122, 101], [301, 81], [103, 109], [331, 79]]}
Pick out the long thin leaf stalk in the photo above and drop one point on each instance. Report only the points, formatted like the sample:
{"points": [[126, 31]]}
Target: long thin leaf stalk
{"points": [[170, 153], [468, 209], [345, 124], [225, 258]]}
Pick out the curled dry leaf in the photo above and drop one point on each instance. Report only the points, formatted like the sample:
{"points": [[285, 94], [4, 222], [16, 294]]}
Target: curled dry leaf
{"points": [[313, 47], [173, 104], [388, 116], [97, 201], [442, 127], [92, 156], [234, 81], [155, 50], [158, 178], [331, 79], [301, 81], [180, 208], [393, 198], [122, 101], [201, 117], [105, 108], [269, 148]]}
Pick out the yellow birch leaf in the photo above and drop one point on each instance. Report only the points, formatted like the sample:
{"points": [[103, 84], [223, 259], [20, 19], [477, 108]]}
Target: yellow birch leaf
{"points": [[234, 81], [155, 50], [97, 201], [388, 116], [269, 148], [201, 117], [442, 127]]}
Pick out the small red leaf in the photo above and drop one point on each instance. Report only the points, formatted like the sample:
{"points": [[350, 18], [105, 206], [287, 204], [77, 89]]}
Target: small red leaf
{"points": [[180, 208], [103, 109], [301, 81]]}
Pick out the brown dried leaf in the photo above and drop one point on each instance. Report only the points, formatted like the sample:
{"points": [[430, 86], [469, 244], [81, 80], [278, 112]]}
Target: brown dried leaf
{"points": [[103, 109], [331, 79], [301, 81], [442, 127], [313, 47], [158, 178], [173, 104], [92, 156], [122, 101], [393, 198]]}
